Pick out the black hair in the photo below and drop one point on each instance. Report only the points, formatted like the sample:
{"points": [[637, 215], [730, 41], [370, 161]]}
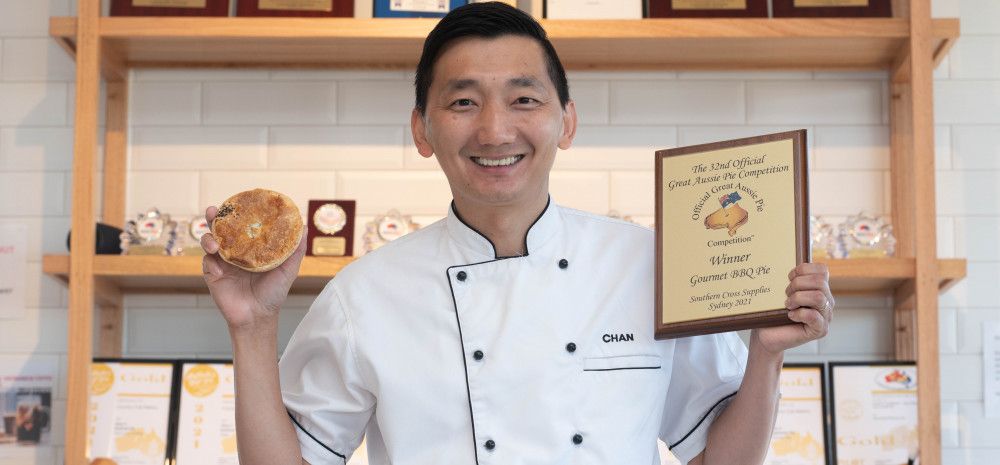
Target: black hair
{"points": [[487, 20]]}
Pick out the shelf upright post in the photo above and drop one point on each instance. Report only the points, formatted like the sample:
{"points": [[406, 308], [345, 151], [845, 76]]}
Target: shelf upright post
{"points": [[109, 298], [915, 216], [81, 276]]}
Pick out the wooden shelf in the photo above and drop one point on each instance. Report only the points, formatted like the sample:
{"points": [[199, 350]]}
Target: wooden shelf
{"points": [[786, 43], [164, 275]]}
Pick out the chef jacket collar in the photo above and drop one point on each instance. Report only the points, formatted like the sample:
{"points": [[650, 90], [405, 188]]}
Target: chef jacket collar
{"points": [[544, 228]]}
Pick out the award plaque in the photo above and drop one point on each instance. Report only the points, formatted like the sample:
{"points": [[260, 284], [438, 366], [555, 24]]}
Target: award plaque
{"points": [[206, 419], [331, 228], [874, 412], [321, 8], [731, 222], [386, 228], [799, 436], [169, 7], [130, 409], [832, 8], [707, 8]]}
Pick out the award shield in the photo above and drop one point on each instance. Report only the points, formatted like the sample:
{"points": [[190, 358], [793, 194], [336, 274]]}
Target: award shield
{"points": [[731, 222]]}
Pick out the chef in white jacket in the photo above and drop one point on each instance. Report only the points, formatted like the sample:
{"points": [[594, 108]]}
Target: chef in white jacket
{"points": [[514, 331]]}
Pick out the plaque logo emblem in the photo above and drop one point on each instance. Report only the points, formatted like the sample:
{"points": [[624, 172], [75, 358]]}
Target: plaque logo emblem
{"points": [[731, 216]]}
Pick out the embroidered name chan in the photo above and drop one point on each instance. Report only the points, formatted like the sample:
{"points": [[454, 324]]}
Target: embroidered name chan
{"points": [[623, 337]]}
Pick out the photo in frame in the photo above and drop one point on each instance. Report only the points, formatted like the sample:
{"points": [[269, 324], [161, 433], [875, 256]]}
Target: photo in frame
{"points": [[732, 219]]}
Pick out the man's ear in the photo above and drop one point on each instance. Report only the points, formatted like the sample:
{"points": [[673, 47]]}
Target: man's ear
{"points": [[418, 128], [569, 126]]}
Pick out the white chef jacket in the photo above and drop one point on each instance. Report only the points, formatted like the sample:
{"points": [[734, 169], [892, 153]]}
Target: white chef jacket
{"points": [[444, 354]]}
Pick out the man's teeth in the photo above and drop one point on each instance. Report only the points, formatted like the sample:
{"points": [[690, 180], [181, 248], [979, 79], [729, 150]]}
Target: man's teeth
{"points": [[499, 162]]}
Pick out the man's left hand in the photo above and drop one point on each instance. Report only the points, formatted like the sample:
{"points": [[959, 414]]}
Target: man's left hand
{"points": [[810, 306]]}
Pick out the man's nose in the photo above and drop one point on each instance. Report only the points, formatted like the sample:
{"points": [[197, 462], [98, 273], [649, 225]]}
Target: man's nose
{"points": [[495, 125]]}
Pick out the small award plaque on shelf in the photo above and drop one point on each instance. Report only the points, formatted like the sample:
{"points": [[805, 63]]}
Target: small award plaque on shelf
{"points": [[732, 219], [707, 8], [320, 8], [331, 228], [593, 9], [169, 7], [832, 8]]}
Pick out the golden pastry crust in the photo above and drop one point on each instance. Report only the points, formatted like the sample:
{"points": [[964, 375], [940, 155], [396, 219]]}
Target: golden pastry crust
{"points": [[257, 230]]}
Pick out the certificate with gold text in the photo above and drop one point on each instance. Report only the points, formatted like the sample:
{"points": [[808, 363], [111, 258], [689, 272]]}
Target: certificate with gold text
{"points": [[206, 425], [799, 436], [874, 413], [731, 222], [129, 414]]}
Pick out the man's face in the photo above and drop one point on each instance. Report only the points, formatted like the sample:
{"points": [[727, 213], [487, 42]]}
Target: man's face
{"points": [[494, 120]]}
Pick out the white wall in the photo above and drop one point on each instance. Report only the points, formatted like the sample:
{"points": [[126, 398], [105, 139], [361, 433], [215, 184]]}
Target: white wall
{"points": [[198, 136]]}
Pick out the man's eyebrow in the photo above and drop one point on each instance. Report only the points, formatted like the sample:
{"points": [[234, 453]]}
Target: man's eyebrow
{"points": [[459, 84], [525, 81]]}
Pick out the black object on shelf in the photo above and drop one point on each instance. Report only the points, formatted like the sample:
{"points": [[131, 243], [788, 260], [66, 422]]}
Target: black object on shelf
{"points": [[108, 240]]}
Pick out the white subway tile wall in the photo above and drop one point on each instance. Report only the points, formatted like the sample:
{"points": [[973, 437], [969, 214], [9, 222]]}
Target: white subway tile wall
{"points": [[198, 136]]}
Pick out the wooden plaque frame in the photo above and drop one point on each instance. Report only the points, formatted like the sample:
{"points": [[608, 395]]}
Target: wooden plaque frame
{"points": [[212, 8], [875, 9], [665, 9], [341, 8], [770, 317]]}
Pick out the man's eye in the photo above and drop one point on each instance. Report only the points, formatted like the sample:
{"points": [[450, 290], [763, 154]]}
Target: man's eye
{"points": [[526, 100], [462, 102]]}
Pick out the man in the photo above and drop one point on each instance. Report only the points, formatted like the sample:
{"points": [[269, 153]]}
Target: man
{"points": [[514, 331]]}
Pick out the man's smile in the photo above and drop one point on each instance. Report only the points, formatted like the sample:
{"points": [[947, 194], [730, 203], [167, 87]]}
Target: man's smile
{"points": [[497, 162]]}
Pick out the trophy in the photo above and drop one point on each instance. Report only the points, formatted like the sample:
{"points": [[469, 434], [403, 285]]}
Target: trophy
{"points": [[386, 228], [863, 236], [188, 237], [331, 228], [151, 233], [823, 238]]}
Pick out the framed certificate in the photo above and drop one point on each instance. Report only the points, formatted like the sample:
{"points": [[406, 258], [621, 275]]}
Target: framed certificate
{"points": [[130, 410], [206, 419], [731, 222], [306, 8], [874, 412], [832, 8], [799, 436], [707, 8], [169, 7]]}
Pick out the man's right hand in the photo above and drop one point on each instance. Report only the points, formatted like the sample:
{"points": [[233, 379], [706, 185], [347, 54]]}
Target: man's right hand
{"points": [[247, 299]]}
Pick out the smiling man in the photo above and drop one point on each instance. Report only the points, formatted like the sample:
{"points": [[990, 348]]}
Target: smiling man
{"points": [[514, 331]]}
